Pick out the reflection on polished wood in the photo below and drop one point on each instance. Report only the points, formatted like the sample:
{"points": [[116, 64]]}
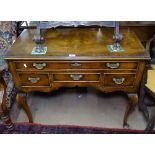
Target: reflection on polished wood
{"points": [[82, 42]]}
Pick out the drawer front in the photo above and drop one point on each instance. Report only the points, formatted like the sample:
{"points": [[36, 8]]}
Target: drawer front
{"points": [[34, 79], [75, 77], [26, 65], [119, 80]]}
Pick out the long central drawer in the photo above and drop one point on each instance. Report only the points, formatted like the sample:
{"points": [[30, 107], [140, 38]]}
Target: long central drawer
{"points": [[54, 65]]}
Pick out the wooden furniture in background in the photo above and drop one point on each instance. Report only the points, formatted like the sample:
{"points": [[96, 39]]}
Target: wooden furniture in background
{"points": [[78, 57], [148, 86], [150, 89]]}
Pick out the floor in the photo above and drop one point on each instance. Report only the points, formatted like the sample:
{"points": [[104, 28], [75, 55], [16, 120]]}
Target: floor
{"points": [[86, 106]]}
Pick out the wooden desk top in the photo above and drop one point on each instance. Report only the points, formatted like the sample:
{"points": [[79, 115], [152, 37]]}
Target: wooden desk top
{"points": [[82, 42]]}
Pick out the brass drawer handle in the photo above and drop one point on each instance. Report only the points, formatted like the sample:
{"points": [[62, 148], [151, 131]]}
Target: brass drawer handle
{"points": [[112, 65], [33, 79], [118, 81], [75, 64], [39, 65], [76, 77]]}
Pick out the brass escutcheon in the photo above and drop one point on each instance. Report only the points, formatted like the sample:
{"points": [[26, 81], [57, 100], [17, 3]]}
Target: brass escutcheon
{"points": [[75, 64]]}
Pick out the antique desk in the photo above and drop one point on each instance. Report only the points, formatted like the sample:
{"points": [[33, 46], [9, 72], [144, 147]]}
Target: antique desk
{"points": [[77, 57]]}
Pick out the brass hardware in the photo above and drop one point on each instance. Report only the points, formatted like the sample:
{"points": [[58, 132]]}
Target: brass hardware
{"points": [[75, 64], [112, 65], [33, 79], [118, 81], [39, 65], [76, 77]]}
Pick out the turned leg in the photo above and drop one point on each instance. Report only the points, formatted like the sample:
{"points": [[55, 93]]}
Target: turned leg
{"points": [[21, 101], [133, 101], [3, 107]]}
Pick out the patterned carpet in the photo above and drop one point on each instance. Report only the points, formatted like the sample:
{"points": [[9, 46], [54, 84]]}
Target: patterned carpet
{"points": [[28, 128]]}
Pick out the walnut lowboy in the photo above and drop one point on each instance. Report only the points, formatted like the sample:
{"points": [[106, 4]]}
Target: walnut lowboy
{"points": [[92, 65]]}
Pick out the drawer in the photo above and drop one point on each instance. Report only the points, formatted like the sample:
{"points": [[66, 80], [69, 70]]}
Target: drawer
{"points": [[53, 65], [119, 80], [75, 77], [33, 79]]}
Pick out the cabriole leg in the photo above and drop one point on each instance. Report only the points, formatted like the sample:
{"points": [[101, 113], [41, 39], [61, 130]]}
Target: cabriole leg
{"points": [[21, 101], [133, 101]]}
